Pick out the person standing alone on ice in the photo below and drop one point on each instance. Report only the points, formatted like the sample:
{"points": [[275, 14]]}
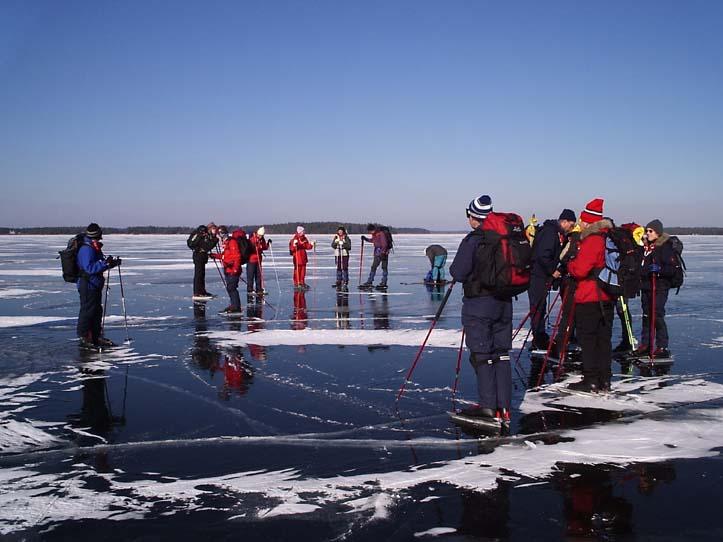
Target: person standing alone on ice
{"points": [[298, 246], [593, 307], [91, 266], [380, 238], [342, 247], [487, 322]]}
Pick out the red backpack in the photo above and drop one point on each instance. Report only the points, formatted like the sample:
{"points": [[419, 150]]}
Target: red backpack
{"points": [[504, 258]]}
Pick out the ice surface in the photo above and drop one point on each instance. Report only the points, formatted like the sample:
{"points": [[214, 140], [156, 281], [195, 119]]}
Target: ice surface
{"points": [[292, 412]]}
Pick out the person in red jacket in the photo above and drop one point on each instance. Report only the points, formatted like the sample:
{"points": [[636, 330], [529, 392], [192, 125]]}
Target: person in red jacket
{"points": [[254, 272], [232, 258], [298, 246], [593, 307]]}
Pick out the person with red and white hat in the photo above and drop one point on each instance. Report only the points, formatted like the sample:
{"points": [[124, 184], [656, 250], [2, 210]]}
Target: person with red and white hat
{"points": [[592, 305]]}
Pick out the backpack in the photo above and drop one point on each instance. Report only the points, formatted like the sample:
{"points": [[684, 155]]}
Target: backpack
{"points": [[504, 257], [678, 277], [69, 258], [623, 260], [245, 248], [388, 234], [194, 239]]}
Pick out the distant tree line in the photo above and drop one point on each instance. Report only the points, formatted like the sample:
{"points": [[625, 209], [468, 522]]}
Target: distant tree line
{"points": [[287, 227]]}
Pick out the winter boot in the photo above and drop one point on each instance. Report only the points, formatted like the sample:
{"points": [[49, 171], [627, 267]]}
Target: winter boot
{"points": [[104, 343], [477, 411], [623, 347], [366, 286], [586, 385], [642, 350], [661, 352], [381, 286]]}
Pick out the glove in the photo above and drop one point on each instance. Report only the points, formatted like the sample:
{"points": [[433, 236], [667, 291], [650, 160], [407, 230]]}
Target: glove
{"points": [[112, 262], [653, 268], [269, 241]]}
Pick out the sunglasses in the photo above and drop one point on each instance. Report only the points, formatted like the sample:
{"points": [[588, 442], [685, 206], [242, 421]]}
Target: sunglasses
{"points": [[649, 231]]}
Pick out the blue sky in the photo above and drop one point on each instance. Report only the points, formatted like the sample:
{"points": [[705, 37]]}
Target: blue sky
{"points": [[176, 113]]}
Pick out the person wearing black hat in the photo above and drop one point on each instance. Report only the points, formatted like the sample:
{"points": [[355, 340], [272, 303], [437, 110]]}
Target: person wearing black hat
{"points": [[545, 268], [92, 264], [201, 241], [659, 265]]}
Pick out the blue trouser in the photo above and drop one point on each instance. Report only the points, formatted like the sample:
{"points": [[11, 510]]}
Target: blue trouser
{"points": [[90, 315], [253, 275], [342, 269], [379, 259], [438, 267], [537, 294], [232, 289], [488, 335]]}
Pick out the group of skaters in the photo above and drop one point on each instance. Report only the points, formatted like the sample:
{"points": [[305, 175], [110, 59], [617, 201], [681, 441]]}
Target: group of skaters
{"points": [[235, 249], [574, 256], [567, 254]]}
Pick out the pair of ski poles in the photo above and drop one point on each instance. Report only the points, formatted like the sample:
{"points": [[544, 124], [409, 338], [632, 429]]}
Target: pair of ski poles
{"points": [[123, 302]]}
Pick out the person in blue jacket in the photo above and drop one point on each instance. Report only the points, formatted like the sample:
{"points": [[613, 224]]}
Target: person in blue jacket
{"points": [[545, 263], [487, 322], [92, 264]]}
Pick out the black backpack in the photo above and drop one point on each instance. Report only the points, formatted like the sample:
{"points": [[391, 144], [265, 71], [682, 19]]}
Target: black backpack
{"points": [[678, 277], [388, 234], [194, 239], [69, 258]]}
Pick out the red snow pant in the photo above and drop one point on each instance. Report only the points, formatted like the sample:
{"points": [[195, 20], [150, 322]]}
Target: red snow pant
{"points": [[299, 274]]}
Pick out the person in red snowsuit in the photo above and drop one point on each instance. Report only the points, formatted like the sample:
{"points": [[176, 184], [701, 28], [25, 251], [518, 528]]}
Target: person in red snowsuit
{"points": [[254, 270], [593, 306], [232, 258], [298, 245]]}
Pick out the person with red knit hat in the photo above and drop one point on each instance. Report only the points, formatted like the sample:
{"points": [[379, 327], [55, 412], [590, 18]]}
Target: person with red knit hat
{"points": [[593, 307]]}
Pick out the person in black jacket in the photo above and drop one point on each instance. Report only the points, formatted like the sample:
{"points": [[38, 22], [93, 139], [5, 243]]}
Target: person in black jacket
{"points": [[545, 263], [487, 322], [659, 262], [202, 241]]}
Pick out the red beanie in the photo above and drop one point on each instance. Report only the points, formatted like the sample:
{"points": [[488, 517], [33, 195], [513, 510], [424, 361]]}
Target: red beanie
{"points": [[593, 211]]}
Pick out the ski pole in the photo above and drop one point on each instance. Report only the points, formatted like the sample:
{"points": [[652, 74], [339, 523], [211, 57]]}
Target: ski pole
{"points": [[456, 372], [565, 342], [628, 324], [424, 343], [105, 303], [276, 271], [361, 259], [555, 328], [223, 279], [653, 280], [123, 303]]}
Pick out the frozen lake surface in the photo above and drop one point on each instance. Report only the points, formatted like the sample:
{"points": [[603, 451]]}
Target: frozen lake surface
{"points": [[282, 424]]}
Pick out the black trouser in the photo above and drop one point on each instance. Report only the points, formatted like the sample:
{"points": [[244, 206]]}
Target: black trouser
{"points": [[200, 259], [537, 294], [90, 315], [594, 325], [232, 289], [253, 276], [661, 328]]}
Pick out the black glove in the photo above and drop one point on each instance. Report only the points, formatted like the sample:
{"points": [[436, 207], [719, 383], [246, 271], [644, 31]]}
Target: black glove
{"points": [[269, 241], [112, 262]]}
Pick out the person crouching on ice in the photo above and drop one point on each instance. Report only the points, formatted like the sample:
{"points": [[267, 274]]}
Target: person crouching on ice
{"points": [[92, 264], [593, 307], [437, 255], [487, 323], [254, 270], [298, 245], [342, 247], [231, 256]]}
